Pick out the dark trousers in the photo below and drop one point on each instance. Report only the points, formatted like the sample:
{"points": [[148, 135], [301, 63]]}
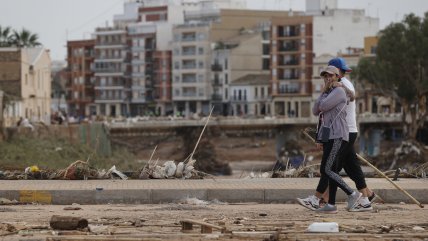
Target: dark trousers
{"points": [[349, 162], [347, 159]]}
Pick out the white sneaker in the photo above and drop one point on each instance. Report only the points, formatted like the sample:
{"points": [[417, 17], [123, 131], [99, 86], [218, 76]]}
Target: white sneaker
{"points": [[363, 205], [353, 199], [311, 202]]}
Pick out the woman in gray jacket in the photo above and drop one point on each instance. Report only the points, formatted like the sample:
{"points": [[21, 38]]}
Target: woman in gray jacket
{"points": [[333, 131]]}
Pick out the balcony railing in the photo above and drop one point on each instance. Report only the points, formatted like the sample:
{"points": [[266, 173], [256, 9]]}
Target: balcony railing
{"points": [[217, 97], [292, 62], [217, 81], [189, 66], [108, 70], [288, 48], [189, 80], [189, 94], [239, 98], [188, 38], [216, 67], [187, 53]]}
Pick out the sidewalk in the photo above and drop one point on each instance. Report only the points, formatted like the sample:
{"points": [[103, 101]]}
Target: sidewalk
{"points": [[271, 190]]}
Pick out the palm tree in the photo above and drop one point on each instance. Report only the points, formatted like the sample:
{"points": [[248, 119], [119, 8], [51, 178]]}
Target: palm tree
{"points": [[5, 37], [25, 38]]}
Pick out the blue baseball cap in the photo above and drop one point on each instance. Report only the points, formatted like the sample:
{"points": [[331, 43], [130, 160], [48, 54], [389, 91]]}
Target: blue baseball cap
{"points": [[340, 64]]}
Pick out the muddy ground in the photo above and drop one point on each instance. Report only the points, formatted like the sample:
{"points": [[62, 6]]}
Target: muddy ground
{"points": [[242, 222]]}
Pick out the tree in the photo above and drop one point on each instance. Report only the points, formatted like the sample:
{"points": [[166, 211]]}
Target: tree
{"points": [[5, 36], [400, 69], [24, 38]]}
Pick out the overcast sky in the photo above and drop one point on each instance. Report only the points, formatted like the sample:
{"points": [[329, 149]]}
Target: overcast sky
{"points": [[58, 20]]}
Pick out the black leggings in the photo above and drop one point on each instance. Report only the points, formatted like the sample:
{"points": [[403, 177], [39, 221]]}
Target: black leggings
{"points": [[347, 160], [329, 170]]}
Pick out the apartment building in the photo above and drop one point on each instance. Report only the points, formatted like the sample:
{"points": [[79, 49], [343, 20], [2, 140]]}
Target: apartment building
{"points": [[291, 66], [80, 77], [26, 79], [335, 30], [130, 57], [191, 68], [142, 40], [112, 72]]}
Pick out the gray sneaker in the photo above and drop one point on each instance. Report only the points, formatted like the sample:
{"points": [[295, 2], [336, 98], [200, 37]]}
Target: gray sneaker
{"points": [[328, 208], [353, 199]]}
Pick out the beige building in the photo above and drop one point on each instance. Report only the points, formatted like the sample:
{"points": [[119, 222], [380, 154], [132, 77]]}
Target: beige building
{"points": [[232, 59], [26, 80]]}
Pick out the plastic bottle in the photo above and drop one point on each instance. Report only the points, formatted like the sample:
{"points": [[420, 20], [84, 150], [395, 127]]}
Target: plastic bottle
{"points": [[329, 227]]}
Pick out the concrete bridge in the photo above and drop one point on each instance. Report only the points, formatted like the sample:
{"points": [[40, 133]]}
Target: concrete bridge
{"points": [[146, 125]]}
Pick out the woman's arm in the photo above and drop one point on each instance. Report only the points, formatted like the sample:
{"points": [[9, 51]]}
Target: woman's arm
{"points": [[336, 96], [316, 107]]}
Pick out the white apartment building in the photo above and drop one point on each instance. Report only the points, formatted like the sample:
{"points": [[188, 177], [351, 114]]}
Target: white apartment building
{"points": [[191, 68]]}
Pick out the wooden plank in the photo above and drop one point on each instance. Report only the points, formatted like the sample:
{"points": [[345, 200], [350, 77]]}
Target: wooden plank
{"points": [[187, 225]]}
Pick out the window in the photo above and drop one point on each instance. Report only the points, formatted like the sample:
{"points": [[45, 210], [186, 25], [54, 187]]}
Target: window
{"points": [[176, 65], [200, 77], [226, 94], [266, 49], [201, 64], [225, 63], [177, 78], [256, 91], [201, 50], [176, 92], [266, 64], [201, 91], [201, 36], [226, 79]]}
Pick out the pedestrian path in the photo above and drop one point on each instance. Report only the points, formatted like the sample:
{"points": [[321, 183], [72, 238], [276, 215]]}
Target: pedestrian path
{"points": [[261, 190]]}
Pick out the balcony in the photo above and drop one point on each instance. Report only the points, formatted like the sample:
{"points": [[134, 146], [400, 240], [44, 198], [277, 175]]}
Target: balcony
{"points": [[189, 66], [108, 70], [188, 38], [217, 97], [217, 81], [189, 94], [288, 48], [216, 67], [239, 98], [292, 62], [189, 79], [291, 77], [188, 52], [292, 88]]}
